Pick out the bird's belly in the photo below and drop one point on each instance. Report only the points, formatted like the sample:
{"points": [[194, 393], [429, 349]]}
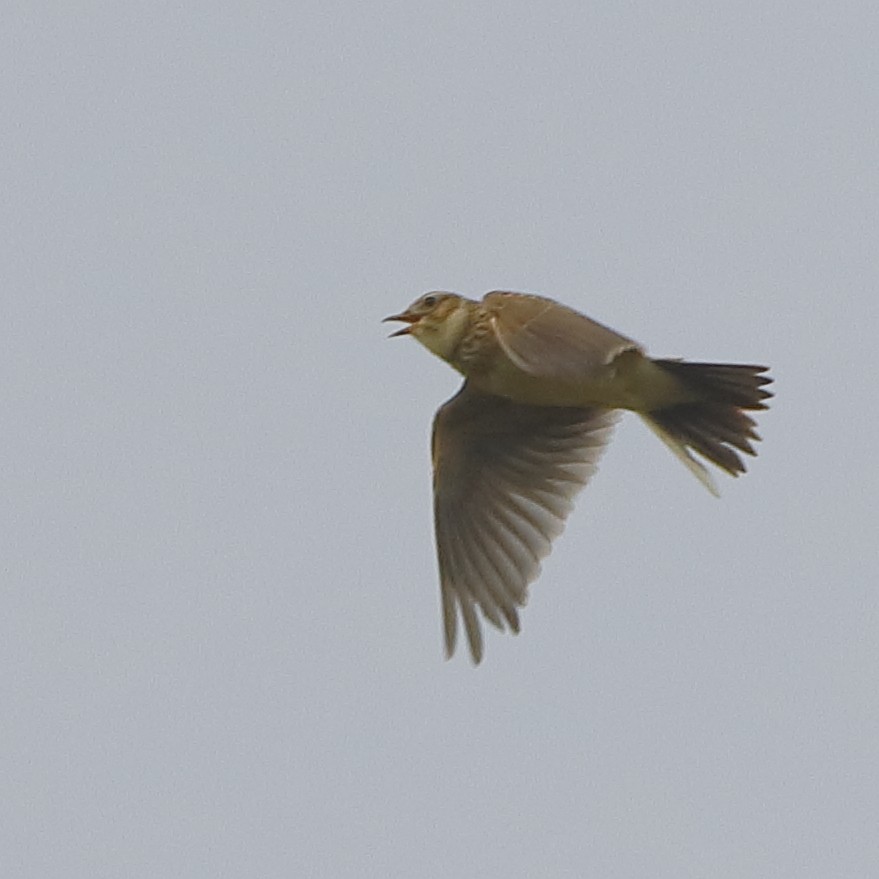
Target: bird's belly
{"points": [[599, 388], [629, 381]]}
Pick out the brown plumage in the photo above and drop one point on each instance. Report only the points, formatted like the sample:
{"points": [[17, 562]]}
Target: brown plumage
{"points": [[522, 437]]}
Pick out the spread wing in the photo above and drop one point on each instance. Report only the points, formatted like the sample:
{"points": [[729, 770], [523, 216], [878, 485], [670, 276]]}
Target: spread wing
{"points": [[544, 338], [505, 478]]}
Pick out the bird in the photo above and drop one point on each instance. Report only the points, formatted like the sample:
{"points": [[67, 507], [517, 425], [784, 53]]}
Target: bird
{"points": [[543, 388]]}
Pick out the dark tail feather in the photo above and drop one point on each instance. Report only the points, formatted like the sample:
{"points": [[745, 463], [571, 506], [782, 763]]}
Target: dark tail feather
{"points": [[716, 427]]}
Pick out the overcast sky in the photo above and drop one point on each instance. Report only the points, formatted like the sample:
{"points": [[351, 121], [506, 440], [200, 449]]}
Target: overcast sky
{"points": [[220, 649]]}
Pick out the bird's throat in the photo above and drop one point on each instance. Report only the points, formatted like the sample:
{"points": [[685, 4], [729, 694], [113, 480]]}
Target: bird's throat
{"points": [[444, 338]]}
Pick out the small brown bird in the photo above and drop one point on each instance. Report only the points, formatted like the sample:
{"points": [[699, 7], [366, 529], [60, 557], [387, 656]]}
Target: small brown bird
{"points": [[522, 436]]}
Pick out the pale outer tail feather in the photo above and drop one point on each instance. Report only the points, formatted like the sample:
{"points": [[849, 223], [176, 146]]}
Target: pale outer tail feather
{"points": [[716, 427], [680, 451]]}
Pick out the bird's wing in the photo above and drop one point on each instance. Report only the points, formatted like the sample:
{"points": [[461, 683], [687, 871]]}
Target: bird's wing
{"points": [[505, 476], [547, 339]]}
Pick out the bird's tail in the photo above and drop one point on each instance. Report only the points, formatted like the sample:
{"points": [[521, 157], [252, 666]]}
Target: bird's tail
{"points": [[715, 426]]}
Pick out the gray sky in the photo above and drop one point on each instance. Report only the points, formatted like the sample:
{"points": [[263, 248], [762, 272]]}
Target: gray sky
{"points": [[220, 642]]}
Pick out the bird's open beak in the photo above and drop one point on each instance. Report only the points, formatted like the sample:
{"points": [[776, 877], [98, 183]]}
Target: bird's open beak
{"points": [[407, 318]]}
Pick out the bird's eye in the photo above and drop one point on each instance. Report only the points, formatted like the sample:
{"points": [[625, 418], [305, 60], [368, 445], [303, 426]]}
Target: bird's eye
{"points": [[429, 301]]}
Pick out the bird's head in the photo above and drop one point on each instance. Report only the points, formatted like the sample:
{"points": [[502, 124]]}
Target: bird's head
{"points": [[437, 320]]}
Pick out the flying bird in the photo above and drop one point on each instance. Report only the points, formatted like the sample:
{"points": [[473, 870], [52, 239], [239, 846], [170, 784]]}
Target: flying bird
{"points": [[543, 386]]}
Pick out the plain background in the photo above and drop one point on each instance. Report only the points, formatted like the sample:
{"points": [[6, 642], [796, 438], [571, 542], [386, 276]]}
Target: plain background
{"points": [[220, 648]]}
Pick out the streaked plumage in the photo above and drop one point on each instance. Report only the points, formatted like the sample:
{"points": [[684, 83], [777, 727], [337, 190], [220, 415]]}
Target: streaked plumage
{"points": [[522, 437]]}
